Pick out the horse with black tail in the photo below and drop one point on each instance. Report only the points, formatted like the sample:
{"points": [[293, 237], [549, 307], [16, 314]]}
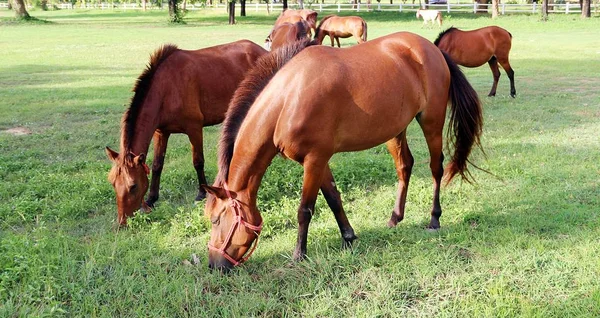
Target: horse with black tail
{"points": [[310, 107]]}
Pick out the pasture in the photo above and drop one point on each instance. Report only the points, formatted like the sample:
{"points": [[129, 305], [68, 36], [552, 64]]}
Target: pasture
{"points": [[523, 241]]}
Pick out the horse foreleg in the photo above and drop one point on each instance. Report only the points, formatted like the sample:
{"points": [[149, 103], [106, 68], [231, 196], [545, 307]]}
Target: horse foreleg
{"points": [[331, 37], [198, 160], [334, 200], [160, 148], [337, 38], [493, 63], [433, 131], [313, 176], [403, 159]]}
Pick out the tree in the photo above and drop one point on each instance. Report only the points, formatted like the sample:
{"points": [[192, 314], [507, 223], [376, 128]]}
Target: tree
{"points": [[21, 10], [586, 8], [495, 11], [231, 12], [242, 8], [545, 10], [174, 13], [285, 6]]}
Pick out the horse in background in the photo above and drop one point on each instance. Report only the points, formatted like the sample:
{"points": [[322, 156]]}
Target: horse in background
{"points": [[286, 33], [293, 16], [180, 91], [341, 27], [317, 103], [474, 48], [430, 15]]}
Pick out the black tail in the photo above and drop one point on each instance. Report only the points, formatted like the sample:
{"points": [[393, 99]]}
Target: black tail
{"points": [[466, 122]]}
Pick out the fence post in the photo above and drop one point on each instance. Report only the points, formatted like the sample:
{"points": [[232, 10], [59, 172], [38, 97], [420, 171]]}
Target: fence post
{"points": [[448, 5], [534, 7], [503, 8], [358, 7], [567, 8], [320, 7], [379, 6], [474, 7], [339, 7], [400, 8]]}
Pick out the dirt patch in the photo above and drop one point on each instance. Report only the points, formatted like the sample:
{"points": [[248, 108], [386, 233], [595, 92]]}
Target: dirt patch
{"points": [[17, 131]]}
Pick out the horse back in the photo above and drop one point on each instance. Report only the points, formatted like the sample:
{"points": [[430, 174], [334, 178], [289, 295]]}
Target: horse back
{"points": [[196, 85], [377, 87]]}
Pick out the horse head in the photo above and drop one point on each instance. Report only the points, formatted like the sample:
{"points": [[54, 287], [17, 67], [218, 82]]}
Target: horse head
{"points": [[236, 224], [129, 178]]}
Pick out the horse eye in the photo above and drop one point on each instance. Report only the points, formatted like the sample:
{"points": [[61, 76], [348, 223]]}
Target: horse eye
{"points": [[133, 188], [215, 220]]}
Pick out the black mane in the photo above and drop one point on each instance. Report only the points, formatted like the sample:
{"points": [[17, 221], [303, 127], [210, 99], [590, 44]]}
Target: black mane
{"points": [[140, 89], [439, 38], [245, 95]]}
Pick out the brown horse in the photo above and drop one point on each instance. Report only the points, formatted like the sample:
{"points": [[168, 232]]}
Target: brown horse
{"points": [[286, 33], [179, 92], [325, 101], [293, 16], [341, 27], [474, 48]]}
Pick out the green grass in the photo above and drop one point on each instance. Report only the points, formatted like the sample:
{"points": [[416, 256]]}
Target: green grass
{"points": [[523, 242]]}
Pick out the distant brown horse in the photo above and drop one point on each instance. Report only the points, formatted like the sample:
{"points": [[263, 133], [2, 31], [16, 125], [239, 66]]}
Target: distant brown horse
{"points": [[474, 48], [324, 101], [179, 92], [293, 16], [286, 33], [341, 27]]}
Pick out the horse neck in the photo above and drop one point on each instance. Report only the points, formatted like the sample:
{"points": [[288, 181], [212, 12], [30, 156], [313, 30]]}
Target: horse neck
{"points": [[146, 122]]}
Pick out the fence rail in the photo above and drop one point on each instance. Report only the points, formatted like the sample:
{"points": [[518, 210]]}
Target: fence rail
{"points": [[567, 8]]}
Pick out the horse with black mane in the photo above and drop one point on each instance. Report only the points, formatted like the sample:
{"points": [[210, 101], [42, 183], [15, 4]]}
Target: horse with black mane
{"points": [[324, 101], [180, 91], [474, 48]]}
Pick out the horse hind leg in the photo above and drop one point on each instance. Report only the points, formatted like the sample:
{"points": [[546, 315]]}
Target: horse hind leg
{"points": [[160, 148], [403, 160], [433, 131], [334, 200], [493, 63]]}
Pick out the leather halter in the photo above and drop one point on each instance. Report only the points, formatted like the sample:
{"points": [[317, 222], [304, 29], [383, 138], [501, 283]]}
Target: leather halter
{"points": [[236, 205]]}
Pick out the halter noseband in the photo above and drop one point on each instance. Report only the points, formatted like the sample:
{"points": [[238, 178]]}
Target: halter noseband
{"points": [[237, 220]]}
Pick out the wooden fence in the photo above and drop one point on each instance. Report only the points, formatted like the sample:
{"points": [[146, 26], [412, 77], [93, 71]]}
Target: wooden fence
{"points": [[535, 8]]}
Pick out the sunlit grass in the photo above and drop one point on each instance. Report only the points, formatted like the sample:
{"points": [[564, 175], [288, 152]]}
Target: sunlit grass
{"points": [[520, 242]]}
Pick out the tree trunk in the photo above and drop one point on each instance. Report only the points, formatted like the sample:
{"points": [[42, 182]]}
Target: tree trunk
{"points": [[174, 16], [586, 9], [495, 11], [184, 5], [21, 10], [285, 6], [301, 4], [231, 12], [545, 10], [144, 5], [243, 8]]}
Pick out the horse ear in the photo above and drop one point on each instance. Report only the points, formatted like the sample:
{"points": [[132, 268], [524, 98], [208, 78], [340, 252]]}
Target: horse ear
{"points": [[140, 159], [216, 191], [112, 155]]}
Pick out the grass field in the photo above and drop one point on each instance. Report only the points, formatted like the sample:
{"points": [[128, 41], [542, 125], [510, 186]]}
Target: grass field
{"points": [[521, 242]]}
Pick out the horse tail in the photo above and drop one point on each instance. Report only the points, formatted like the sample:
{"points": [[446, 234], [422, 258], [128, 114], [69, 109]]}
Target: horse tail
{"points": [[466, 121], [364, 35], [254, 82]]}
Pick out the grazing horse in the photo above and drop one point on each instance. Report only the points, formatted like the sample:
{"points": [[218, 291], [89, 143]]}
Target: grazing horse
{"points": [[286, 33], [341, 27], [325, 101], [180, 91], [474, 48], [293, 16], [430, 15]]}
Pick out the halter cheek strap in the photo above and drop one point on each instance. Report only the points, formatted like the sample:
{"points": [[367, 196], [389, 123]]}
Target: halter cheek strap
{"points": [[236, 206]]}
